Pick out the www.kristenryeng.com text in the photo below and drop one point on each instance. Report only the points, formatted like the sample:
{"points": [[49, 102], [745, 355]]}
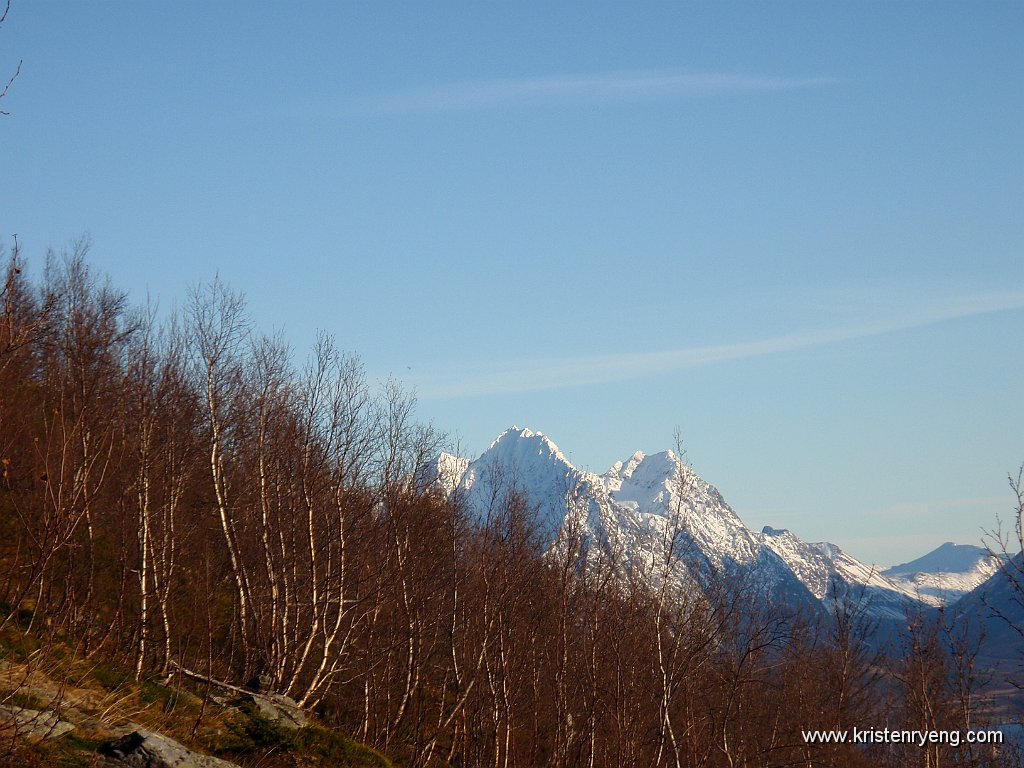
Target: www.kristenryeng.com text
{"points": [[921, 738]]}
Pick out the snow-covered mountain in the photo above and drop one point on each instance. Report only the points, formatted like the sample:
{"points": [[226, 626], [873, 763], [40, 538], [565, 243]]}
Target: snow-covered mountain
{"points": [[947, 573], [651, 510]]}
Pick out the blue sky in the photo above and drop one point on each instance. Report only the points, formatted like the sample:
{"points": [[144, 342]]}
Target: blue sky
{"points": [[792, 230]]}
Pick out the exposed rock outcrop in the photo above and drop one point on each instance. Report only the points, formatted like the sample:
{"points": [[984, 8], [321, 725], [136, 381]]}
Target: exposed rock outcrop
{"points": [[33, 724], [145, 749], [283, 711]]}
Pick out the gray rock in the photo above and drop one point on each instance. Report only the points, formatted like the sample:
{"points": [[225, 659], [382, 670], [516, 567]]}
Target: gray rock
{"points": [[145, 749], [280, 710], [33, 724]]}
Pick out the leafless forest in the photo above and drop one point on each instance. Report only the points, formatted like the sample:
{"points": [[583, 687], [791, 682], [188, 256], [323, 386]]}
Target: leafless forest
{"points": [[181, 497]]}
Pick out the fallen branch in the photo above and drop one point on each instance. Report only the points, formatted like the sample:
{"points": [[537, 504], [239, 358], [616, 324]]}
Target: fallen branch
{"points": [[206, 679]]}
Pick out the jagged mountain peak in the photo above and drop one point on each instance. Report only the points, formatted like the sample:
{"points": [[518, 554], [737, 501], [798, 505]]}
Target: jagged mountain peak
{"points": [[517, 443], [632, 509], [530, 464], [624, 469], [656, 467], [641, 503]]}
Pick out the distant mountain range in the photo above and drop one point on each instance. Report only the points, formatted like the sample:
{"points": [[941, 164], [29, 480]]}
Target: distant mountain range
{"points": [[641, 505]]}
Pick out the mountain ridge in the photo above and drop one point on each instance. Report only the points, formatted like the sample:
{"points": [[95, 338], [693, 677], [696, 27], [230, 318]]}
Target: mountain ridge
{"points": [[634, 506]]}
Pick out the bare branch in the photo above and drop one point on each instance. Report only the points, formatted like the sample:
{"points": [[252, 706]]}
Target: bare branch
{"points": [[17, 71]]}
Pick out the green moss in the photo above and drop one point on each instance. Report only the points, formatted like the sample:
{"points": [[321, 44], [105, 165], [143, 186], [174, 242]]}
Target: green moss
{"points": [[253, 733], [110, 676], [68, 751], [332, 748], [18, 645], [26, 701], [256, 737], [151, 692]]}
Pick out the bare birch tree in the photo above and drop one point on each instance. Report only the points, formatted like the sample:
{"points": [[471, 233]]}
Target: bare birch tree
{"points": [[218, 330]]}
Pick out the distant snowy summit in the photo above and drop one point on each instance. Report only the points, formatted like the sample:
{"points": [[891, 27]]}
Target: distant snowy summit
{"points": [[946, 573], [644, 505]]}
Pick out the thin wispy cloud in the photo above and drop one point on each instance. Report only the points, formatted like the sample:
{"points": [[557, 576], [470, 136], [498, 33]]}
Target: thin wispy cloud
{"points": [[533, 375], [602, 88]]}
